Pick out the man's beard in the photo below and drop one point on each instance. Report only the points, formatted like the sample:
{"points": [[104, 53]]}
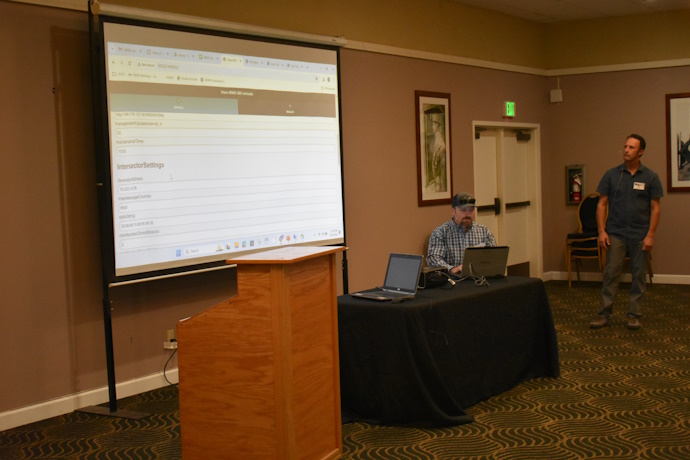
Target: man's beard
{"points": [[466, 222]]}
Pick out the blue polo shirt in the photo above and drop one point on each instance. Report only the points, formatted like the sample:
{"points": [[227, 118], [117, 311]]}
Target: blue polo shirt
{"points": [[630, 198]]}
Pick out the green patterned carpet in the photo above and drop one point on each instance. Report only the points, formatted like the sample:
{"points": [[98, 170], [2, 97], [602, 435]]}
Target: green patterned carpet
{"points": [[621, 395]]}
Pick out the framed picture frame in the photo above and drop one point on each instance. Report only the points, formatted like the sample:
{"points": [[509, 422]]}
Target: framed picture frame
{"points": [[434, 159], [678, 142], [574, 184]]}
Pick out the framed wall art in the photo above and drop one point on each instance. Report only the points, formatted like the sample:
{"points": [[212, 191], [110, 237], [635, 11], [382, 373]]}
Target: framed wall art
{"points": [[434, 172], [678, 142]]}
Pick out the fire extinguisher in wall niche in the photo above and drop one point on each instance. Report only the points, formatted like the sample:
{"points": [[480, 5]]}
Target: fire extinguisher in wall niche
{"points": [[577, 186]]}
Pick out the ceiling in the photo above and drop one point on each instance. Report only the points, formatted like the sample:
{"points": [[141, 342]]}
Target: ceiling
{"points": [[552, 11]]}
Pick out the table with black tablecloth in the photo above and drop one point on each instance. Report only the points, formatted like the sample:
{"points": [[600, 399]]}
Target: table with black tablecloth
{"points": [[421, 361]]}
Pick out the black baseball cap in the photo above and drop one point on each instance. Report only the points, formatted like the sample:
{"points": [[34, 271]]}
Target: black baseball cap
{"points": [[463, 200]]}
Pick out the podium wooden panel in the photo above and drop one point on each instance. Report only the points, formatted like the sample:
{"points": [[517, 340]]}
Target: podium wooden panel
{"points": [[259, 373]]}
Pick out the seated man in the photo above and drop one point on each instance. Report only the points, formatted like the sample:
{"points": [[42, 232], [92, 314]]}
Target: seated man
{"points": [[447, 243]]}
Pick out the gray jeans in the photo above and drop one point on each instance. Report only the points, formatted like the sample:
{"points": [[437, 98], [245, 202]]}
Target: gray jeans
{"points": [[615, 258]]}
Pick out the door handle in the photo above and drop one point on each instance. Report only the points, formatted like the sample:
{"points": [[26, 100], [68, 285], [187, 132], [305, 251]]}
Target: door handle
{"points": [[517, 204], [496, 207]]}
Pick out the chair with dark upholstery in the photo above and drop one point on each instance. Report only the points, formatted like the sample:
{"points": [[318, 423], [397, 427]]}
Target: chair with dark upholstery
{"points": [[583, 244]]}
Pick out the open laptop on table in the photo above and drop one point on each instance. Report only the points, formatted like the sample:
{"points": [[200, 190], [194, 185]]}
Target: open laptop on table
{"points": [[486, 262], [401, 281]]}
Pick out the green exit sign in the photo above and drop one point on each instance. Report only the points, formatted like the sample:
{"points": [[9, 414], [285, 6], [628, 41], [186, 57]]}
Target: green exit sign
{"points": [[509, 109]]}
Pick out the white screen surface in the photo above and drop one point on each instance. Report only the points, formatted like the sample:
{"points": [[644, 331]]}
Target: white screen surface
{"points": [[218, 146]]}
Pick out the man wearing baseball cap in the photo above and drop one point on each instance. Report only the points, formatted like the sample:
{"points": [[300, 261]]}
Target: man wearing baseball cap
{"points": [[448, 242]]}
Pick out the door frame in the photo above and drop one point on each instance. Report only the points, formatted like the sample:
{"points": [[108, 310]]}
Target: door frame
{"points": [[536, 249]]}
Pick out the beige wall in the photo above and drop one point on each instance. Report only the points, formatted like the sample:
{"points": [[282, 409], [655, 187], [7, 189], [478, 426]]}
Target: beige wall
{"points": [[51, 331], [440, 26], [632, 39], [51, 321], [379, 146], [589, 127], [450, 28]]}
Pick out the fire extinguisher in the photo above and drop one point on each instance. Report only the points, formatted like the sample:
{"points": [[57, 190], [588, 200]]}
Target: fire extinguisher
{"points": [[577, 184]]}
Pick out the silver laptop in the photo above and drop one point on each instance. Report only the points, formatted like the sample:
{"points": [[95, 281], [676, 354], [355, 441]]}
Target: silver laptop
{"points": [[402, 279], [487, 262]]}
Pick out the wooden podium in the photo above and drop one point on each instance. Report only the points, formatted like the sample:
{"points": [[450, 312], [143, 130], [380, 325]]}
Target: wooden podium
{"points": [[259, 373]]}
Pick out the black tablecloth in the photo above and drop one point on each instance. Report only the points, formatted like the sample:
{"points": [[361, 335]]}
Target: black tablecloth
{"points": [[421, 361]]}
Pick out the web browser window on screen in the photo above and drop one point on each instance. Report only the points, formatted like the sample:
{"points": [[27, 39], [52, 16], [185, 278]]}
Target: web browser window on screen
{"points": [[219, 145]]}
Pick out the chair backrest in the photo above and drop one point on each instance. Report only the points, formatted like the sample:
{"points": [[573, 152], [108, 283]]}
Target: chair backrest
{"points": [[587, 213]]}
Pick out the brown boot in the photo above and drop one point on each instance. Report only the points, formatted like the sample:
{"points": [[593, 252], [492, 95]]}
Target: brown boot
{"points": [[601, 321]]}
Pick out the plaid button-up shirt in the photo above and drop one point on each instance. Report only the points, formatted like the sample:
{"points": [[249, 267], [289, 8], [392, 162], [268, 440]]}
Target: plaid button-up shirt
{"points": [[447, 243]]}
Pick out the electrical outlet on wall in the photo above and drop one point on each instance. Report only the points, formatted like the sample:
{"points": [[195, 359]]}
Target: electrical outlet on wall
{"points": [[171, 341]]}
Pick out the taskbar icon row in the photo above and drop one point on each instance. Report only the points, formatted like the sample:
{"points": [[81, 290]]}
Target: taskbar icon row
{"points": [[265, 242]]}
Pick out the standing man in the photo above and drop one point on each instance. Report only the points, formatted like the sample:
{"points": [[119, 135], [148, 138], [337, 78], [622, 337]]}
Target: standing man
{"points": [[447, 243], [632, 193]]}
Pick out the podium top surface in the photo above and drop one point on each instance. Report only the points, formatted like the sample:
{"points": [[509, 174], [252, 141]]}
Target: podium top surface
{"points": [[286, 255]]}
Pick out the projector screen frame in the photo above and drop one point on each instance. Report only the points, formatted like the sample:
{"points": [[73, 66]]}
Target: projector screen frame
{"points": [[103, 141]]}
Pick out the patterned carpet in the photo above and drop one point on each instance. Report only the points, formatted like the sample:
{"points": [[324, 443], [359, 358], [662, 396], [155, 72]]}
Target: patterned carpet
{"points": [[621, 395]]}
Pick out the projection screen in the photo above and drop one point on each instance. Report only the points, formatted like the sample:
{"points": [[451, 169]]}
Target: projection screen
{"points": [[216, 146]]}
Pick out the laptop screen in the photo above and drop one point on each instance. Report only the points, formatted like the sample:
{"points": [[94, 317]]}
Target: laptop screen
{"points": [[485, 261], [403, 272]]}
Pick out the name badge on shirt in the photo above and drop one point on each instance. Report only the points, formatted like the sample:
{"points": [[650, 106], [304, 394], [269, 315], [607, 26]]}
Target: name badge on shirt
{"points": [[638, 186]]}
